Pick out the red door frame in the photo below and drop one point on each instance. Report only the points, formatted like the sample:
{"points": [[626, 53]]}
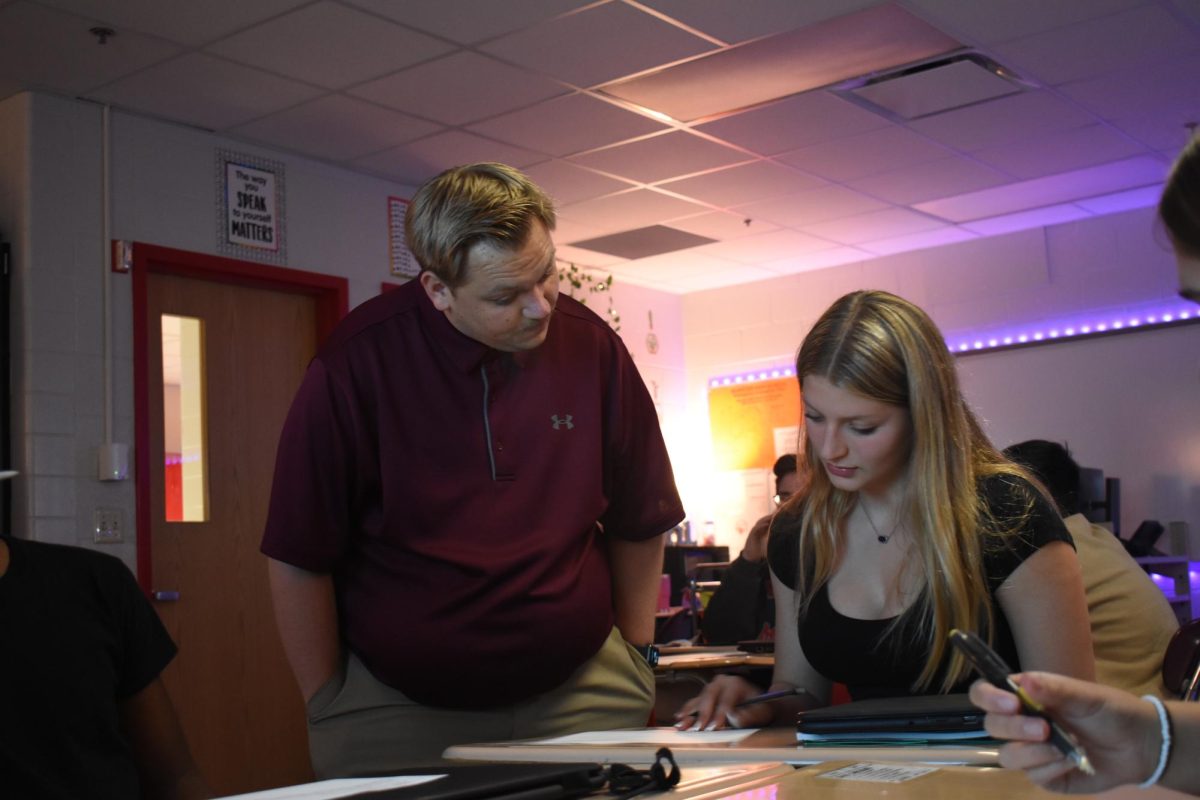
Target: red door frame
{"points": [[330, 293]]}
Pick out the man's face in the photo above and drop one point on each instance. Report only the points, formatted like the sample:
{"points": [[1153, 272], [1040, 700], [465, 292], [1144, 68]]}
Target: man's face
{"points": [[509, 294]]}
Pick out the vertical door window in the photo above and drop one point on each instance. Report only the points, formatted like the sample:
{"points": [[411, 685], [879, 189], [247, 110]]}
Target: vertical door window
{"points": [[184, 458]]}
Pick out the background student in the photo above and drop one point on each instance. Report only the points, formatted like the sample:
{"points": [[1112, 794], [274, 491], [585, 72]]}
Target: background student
{"points": [[908, 523], [83, 711], [1131, 620], [1127, 739], [743, 607]]}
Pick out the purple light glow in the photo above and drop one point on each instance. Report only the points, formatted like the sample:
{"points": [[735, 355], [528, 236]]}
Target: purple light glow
{"points": [[1072, 327]]}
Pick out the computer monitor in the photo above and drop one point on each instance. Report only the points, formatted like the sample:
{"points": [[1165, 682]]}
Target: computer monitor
{"points": [[1100, 497]]}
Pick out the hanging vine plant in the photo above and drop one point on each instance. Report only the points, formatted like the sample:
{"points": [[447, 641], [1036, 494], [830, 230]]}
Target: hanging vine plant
{"points": [[582, 284]]}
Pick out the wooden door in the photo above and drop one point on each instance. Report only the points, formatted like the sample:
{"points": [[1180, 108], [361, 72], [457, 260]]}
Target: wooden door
{"points": [[237, 700]]}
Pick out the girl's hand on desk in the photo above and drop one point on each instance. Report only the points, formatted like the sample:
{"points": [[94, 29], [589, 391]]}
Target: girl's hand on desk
{"points": [[1118, 731], [714, 708]]}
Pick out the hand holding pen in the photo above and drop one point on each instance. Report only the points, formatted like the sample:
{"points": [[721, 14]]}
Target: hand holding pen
{"points": [[989, 664], [730, 701]]}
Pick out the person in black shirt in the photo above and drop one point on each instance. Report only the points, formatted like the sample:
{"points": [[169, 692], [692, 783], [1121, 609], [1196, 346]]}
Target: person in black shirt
{"points": [[909, 523], [743, 606], [84, 713]]}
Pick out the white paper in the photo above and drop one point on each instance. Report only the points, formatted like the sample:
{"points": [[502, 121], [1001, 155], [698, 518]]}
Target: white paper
{"points": [[663, 736], [340, 787]]}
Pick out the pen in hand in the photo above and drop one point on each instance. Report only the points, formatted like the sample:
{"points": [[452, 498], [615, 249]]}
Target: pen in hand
{"points": [[996, 672], [765, 696]]}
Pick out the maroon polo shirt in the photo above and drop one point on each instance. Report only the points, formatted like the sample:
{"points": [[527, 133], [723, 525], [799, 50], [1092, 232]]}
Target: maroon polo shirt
{"points": [[460, 496]]}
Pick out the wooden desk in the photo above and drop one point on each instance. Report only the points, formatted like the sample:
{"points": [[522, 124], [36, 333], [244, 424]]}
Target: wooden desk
{"points": [[769, 745], [942, 783]]}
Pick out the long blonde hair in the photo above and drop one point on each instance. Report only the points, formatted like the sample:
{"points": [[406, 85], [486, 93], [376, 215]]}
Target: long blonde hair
{"points": [[883, 347]]}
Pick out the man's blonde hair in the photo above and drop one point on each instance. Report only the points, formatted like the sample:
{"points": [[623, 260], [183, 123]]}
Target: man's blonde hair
{"points": [[464, 206]]}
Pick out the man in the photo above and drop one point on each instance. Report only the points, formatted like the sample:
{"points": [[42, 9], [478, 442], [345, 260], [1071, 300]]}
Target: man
{"points": [[471, 491], [84, 712], [1131, 620], [742, 607]]}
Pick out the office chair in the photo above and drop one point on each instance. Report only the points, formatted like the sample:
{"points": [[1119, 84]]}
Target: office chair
{"points": [[1181, 663]]}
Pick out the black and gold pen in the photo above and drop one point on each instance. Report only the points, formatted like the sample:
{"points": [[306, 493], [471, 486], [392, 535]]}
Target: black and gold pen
{"points": [[992, 667]]}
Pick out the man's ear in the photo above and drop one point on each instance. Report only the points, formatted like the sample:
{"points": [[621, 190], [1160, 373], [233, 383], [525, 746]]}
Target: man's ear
{"points": [[439, 293]]}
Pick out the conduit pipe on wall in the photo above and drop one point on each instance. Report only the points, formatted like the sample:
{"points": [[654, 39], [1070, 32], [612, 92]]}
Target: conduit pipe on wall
{"points": [[112, 459]]}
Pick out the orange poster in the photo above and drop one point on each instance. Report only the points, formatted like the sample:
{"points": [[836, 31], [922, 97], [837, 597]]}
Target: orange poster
{"points": [[744, 418]]}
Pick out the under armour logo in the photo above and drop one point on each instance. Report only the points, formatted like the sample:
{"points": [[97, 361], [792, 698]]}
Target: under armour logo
{"points": [[564, 421]]}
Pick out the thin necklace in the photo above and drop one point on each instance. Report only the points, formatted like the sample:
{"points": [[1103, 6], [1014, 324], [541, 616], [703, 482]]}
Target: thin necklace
{"points": [[879, 536]]}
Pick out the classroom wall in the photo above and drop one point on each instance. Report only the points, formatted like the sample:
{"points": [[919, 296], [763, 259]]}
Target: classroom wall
{"points": [[163, 191], [1118, 263]]}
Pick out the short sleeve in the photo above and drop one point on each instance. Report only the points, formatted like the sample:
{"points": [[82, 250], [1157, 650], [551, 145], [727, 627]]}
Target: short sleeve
{"points": [[146, 647], [1021, 522], [308, 520], [643, 501], [783, 549]]}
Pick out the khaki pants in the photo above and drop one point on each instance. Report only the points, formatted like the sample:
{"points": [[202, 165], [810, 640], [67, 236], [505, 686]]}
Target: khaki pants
{"points": [[359, 726]]}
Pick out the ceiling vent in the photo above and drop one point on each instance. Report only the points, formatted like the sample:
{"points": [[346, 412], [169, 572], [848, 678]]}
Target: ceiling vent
{"points": [[643, 242], [933, 87]]}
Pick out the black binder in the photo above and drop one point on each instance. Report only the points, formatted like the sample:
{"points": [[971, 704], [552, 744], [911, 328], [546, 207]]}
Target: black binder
{"points": [[934, 714]]}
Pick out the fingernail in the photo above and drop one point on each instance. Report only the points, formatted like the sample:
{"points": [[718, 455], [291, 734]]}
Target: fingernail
{"points": [[1031, 727], [695, 727], [711, 726]]}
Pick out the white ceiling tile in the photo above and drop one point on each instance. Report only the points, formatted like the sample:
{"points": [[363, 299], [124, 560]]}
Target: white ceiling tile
{"points": [[1003, 20], [658, 158], [743, 183], [567, 183], [206, 91], [469, 21], [567, 125], [184, 21], [1010, 119], [1048, 191], [754, 18], [597, 44], [885, 224], [1023, 220], [43, 47], [459, 88], [942, 178], [1146, 86], [720, 279], [1061, 151], [918, 241], [765, 247], [1099, 46], [865, 154], [566, 230], [793, 123], [815, 205], [417, 162], [633, 209], [329, 45], [1162, 129], [337, 127], [582, 257], [1145, 197], [785, 64], [807, 262], [722, 225]]}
